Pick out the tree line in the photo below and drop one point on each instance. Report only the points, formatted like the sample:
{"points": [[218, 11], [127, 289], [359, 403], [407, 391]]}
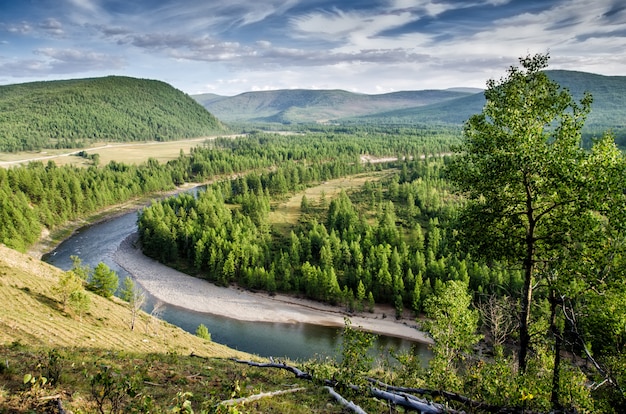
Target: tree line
{"points": [[38, 195], [388, 242]]}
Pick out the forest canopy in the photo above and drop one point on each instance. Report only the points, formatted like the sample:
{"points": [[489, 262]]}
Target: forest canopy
{"points": [[74, 113]]}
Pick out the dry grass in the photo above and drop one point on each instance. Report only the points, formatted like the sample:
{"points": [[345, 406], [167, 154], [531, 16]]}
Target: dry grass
{"points": [[31, 314], [128, 153]]}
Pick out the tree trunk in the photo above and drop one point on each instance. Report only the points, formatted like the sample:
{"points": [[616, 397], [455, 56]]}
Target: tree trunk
{"points": [[556, 370], [527, 294], [525, 311]]}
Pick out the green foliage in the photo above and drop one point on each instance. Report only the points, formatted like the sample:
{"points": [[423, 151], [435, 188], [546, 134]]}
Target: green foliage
{"points": [[453, 326], [203, 332], [53, 365], [80, 270], [73, 113], [533, 192], [68, 283], [111, 389], [356, 360], [79, 301], [182, 404], [34, 381], [104, 281]]}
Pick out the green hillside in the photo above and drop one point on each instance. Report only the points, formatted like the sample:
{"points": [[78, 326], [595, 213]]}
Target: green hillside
{"points": [[73, 113], [306, 106], [608, 111]]}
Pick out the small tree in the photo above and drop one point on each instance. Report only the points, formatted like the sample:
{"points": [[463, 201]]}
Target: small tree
{"points": [[498, 316], [68, 283], [452, 326], [135, 297], [356, 362], [79, 301], [535, 198], [305, 207], [203, 332], [79, 269], [104, 281]]}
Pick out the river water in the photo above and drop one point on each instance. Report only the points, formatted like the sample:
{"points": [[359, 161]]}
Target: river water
{"points": [[99, 242]]}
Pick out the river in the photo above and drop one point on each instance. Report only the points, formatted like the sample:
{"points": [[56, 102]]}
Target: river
{"points": [[99, 242]]}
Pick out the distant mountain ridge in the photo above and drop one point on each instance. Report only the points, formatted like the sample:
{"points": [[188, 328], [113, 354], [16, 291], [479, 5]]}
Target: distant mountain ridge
{"points": [[444, 107], [72, 113], [306, 106]]}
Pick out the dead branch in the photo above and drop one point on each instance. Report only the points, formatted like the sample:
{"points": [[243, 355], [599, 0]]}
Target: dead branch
{"points": [[345, 403], [298, 373], [194, 355], [50, 397], [410, 401], [59, 403], [451, 396], [243, 400]]}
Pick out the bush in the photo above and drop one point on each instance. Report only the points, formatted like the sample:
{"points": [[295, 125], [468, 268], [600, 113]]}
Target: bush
{"points": [[203, 332]]}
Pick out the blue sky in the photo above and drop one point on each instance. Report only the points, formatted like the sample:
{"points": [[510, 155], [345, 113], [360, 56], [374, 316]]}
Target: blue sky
{"points": [[233, 46]]}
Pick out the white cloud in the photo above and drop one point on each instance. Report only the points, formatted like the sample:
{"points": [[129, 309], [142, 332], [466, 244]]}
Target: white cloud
{"points": [[75, 61], [21, 28], [52, 27]]}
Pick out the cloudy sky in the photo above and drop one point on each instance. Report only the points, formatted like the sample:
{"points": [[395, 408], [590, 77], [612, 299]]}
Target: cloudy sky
{"points": [[370, 46]]}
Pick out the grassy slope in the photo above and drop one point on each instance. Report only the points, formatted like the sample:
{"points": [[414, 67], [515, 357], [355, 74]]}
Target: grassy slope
{"points": [[31, 314]]}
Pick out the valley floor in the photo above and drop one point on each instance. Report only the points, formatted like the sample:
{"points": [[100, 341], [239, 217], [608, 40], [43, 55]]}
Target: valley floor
{"points": [[176, 288]]}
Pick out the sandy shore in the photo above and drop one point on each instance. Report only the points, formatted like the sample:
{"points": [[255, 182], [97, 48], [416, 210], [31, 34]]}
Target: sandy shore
{"points": [[176, 288]]}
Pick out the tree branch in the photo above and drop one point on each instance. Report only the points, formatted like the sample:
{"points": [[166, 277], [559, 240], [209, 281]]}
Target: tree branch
{"points": [[243, 400], [345, 403], [298, 373]]}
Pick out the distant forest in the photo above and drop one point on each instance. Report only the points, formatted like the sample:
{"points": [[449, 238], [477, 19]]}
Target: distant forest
{"points": [[75, 113]]}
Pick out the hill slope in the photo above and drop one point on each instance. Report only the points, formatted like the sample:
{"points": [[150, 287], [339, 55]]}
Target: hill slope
{"points": [[97, 364], [70, 113], [305, 106], [31, 314], [608, 110]]}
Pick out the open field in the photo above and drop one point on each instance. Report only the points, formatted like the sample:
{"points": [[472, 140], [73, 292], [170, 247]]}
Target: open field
{"points": [[128, 153], [286, 214]]}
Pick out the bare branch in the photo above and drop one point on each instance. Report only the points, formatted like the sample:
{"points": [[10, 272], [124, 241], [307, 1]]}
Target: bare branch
{"points": [[243, 400], [345, 403]]}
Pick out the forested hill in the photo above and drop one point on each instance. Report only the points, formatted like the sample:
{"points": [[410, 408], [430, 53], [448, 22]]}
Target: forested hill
{"points": [[607, 111], [72, 113], [305, 106], [438, 107]]}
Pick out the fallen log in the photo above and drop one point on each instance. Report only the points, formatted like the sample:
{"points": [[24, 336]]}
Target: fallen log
{"points": [[402, 396], [451, 396]]}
